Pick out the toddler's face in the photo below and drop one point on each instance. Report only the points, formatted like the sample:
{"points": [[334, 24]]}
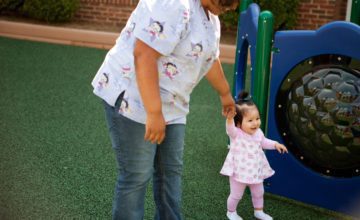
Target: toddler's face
{"points": [[251, 121]]}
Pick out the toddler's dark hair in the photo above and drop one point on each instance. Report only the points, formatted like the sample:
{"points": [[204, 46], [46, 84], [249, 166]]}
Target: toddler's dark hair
{"points": [[243, 101]]}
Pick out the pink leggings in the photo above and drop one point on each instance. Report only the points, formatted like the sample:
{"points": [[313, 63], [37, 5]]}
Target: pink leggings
{"points": [[237, 190]]}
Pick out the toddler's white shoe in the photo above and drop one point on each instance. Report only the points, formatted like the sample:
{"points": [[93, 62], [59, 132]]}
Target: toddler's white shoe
{"points": [[233, 216], [262, 215]]}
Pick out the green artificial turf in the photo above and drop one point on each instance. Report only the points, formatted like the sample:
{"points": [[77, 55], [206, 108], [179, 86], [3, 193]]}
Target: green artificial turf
{"points": [[56, 160]]}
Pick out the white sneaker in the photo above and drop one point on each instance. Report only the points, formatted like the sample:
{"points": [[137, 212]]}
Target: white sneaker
{"points": [[262, 215], [233, 216]]}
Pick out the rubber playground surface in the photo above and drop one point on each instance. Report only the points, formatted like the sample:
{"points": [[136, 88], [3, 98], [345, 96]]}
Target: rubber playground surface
{"points": [[56, 160]]}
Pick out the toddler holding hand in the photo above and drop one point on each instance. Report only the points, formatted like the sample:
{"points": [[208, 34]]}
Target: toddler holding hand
{"points": [[246, 163]]}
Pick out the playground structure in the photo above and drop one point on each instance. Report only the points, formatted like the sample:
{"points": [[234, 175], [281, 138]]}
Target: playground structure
{"points": [[310, 102]]}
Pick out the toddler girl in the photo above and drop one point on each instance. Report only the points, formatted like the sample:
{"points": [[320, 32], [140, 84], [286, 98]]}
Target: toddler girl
{"points": [[246, 164]]}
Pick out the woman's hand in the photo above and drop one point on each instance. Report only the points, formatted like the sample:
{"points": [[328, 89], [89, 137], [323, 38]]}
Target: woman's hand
{"points": [[155, 128], [228, 106], [281, 148]]}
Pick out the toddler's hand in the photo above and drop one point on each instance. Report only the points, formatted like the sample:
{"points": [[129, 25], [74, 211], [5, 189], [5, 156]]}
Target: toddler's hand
{"points": [[228, 104], [281, 148], [230, 115]]}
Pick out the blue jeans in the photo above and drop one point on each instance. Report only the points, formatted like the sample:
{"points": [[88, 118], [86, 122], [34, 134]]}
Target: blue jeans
{"points": [[139, 161]]}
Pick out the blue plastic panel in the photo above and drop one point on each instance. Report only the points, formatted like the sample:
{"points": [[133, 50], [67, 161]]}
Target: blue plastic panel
{"points": [[246, 40], [293, 179]]}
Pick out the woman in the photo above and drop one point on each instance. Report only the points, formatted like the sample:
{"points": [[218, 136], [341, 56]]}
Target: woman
{"points": [[165, 49]]}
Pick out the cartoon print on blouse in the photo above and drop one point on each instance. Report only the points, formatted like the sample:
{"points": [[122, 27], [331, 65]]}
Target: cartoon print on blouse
{"points": [[182, 101], [167, 97], [205, 23], [172, 102], [186, 16], [185, 20], [170, 70], [196, 50], [103, 81], [126, 71], [185, 104], [211, 57], [155, 29], [124, 106], [129, 30]]}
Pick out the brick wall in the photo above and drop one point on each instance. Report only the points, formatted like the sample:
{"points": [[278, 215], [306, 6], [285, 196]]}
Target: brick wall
{"points": [[105, 12], [311, 13], [314, 13]]}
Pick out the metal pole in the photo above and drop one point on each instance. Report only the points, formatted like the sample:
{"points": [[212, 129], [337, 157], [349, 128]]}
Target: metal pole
{"points": [[262, 67], [244, 5], [355, 12]]}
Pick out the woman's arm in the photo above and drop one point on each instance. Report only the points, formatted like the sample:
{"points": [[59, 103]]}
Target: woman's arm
{"points": [[148, 82], [217, 79]]}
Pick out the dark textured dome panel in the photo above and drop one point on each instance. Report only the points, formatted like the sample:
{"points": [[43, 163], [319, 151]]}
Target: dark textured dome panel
{"points": [[320, 100]]}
